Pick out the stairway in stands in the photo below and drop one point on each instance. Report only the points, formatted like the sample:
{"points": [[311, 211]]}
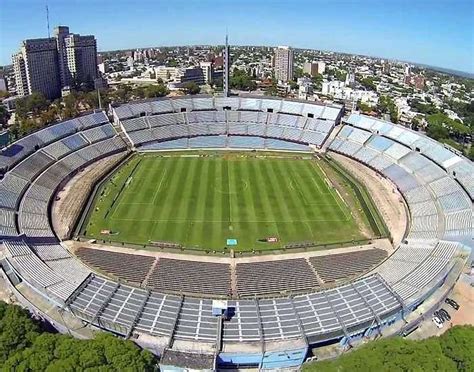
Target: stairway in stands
{"points": [[331, 136], [122, 134]]}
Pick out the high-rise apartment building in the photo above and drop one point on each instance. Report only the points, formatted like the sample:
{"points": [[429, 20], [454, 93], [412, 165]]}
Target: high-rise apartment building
{"points": [[310, 68], [36, 68], [77, 57], [207, 70], [314, 68], [47, 65], [283, 63], [321, 67]]}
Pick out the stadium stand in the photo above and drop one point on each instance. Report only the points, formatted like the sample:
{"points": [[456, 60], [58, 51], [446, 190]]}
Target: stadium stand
{"points": [[344, 265], [276, 301], [132, 268], [289, 122], [183, 276], [275, 277]]}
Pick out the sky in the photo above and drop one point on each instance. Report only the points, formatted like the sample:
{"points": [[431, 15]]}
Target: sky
{"points": [[434, 32]]}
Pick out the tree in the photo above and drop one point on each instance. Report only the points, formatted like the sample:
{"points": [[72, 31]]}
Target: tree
{"points": [[25, 347], [386, 105], [444, 120], [298, 72], [449, 352], [368, 83], [423, 108], [242, 80], [364, 107], [218, 84], [191, 88], [17, 330], [4, 115], [339, 74], [34, 103], [437, 132], [293, 85], [415, 123], [159, 90], [470, 153]]}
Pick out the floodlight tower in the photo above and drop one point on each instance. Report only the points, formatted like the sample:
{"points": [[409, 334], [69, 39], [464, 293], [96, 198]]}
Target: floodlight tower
{"points": [[226, 66]]}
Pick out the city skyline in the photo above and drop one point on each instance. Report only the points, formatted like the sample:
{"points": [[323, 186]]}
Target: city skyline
{"points": [[417, 33]]}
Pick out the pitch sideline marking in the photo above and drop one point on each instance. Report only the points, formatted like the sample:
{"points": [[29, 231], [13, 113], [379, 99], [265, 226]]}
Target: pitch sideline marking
{"points": [[159, 187], [338, 195], [222, 221]]}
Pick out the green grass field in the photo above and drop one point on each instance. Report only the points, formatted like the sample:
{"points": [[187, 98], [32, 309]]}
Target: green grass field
{"points": [[200, 202]]}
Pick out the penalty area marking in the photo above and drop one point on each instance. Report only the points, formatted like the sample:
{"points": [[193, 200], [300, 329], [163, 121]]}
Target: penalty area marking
{"points": [[297, 188]]}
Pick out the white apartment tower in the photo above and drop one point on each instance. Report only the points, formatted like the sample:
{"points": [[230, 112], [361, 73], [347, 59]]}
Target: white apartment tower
{"points": [[207, 70], [36, 68], [47, 65], [283, 63]]}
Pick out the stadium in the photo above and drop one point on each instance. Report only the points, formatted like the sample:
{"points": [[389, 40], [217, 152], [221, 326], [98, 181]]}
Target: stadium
{"points": [[234, 232]]}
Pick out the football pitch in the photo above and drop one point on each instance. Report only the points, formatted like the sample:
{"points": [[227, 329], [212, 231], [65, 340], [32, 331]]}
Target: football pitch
{"points": [[202, 201]]}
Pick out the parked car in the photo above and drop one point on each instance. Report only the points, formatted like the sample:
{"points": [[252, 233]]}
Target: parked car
{"points": [[438, 322], [441, 316], [452, 303], [445, 314]]}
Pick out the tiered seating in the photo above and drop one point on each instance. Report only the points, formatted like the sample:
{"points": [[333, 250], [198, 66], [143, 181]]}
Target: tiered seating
{"points": [[165, 119], [134, 124], [358, 136], [75, 142], [203, 104], [42, 276], [171, 275], [99, 133], [279, 276], [140, 108], [142, 136], [291, 107], [181, 143], [48, 252], [11, 189], [19, 150], [333, 267], [292, 134], [274, 131], [238, 128], [242, 116], [276, 144], [33, 165], [201, 119], [199, 129], [132, 268], [463, 171], [246, 142], [92, 120], [7, 223], [252, 104], [161, 106], [456, 165], [208, 142], [57, 150]]}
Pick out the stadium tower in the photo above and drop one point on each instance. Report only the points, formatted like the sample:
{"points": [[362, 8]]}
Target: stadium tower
{"points": [[226, 67]]}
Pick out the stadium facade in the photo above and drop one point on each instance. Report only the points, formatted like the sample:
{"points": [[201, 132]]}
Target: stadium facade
{"points": [[267, 330]]}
